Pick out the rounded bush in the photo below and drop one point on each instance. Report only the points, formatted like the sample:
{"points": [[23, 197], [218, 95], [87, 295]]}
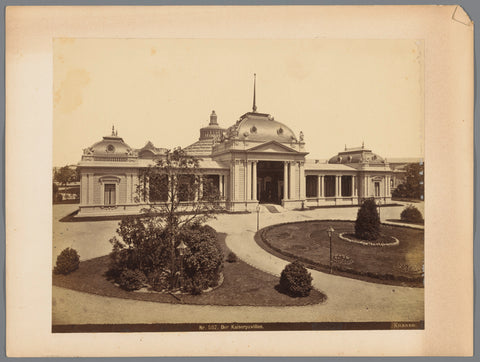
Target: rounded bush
{"points": [[367, 225], [295, 280], [411, 214], [131, 279], [232, 257], [67, 261]]}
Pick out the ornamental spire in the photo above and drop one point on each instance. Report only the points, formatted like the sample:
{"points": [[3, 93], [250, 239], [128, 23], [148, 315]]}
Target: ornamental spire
{"points": [[254, 86]]}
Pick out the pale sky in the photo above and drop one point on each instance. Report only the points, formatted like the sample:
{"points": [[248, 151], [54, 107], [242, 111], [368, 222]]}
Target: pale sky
{"points": [[336, 91]]}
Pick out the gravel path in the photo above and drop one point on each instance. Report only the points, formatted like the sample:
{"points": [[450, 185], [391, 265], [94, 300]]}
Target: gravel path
{"points": [[348, 299]]}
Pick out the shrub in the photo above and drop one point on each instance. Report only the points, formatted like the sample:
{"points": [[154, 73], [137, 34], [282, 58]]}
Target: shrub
{"points": [[159, 280], [367, 225], [131, 279], [295, 280], [145, 246], [203, 260], [411, 214], [232, 257], [67, 261]]}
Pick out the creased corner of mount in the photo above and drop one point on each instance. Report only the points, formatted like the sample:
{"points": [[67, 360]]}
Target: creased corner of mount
{"points": [[461, 16]]}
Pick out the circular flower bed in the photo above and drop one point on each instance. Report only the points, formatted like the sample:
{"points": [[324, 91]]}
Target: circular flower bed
{"points": [[383, 240], [396, 258]]}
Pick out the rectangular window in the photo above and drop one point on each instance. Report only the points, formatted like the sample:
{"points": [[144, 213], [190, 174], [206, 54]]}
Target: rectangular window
{"points": [[329, 186], [110, 194], [158, 188], [311, 186], [186, 188], [377, 188], [210, 187], [346, 186]]}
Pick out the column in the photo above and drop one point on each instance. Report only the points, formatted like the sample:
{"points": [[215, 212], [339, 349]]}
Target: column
{"points": [[319, 186], [389, 192], [226, 187], [292, 181], [83, 189], [170, 186], [338, 184], [285, 180], [248, 180], [235, 179], [90, 199], [200, 188], [220, 185], [353, 186], [231, 180], [128, 193], [301, 167], [254, 180], [133, 190]]}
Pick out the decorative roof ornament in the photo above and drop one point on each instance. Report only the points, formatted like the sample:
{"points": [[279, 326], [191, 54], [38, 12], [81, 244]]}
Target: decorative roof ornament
{"points": [[213, 119], [363, 144], [254, 90], [113, 130], [300, 136]]}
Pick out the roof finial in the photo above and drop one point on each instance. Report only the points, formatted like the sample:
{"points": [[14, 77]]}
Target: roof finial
{"points": [[363, 144], [113, 130], [345, 146], [213, 119], [254, 86]]}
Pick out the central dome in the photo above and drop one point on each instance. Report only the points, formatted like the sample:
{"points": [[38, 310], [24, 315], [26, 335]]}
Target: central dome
{"points": [[255, 126]]}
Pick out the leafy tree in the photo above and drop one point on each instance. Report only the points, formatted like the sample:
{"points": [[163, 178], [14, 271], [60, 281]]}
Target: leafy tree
{"points": [[367, 225], [54, 192], [413, 187], [65, 175], [179, 201], [172, 186]]}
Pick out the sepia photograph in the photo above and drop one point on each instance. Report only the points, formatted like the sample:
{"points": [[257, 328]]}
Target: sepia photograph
{"points": [[239, 181], [222, 185]]}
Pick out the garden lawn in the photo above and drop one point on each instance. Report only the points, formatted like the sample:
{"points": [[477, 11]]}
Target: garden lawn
{"points": [[308, 241], [242, 285]]}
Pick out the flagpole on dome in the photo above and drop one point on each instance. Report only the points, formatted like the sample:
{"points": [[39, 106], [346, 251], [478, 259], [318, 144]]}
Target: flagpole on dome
{"points": [[254, 86]]}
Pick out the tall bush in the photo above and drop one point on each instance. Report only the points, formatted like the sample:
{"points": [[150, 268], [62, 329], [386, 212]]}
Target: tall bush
{"points": [[295, 280], [367, 225], [203, 260], [67, 261]]}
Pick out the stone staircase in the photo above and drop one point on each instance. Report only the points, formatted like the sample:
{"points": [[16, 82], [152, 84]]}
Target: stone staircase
{"points": [[271, 208]]}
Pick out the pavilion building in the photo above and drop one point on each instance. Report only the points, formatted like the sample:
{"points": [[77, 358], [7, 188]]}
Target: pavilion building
{"points": [[257, 160]]}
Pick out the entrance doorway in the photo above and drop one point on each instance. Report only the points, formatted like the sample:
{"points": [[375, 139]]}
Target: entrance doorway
{"points": [[270, 182]]}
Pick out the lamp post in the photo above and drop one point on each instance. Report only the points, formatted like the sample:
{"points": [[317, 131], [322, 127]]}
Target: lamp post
{"points": [[181, 251], [330, 231], [258, 216]]}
